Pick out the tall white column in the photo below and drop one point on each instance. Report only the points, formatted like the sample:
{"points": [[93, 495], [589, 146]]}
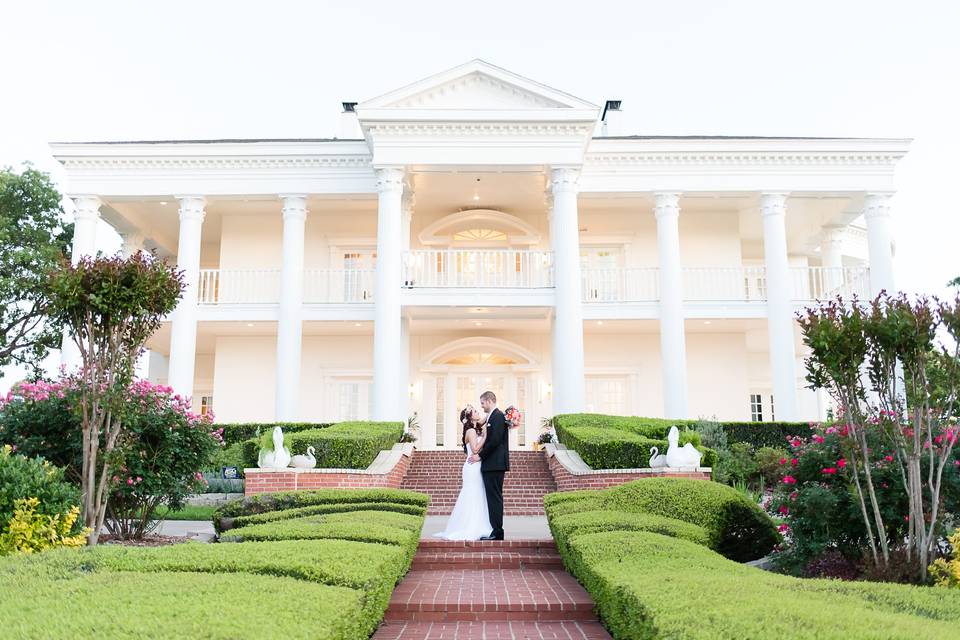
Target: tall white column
{"points": [[568, 381], [85, 220], [290, 319], [876, 210], [673, 344], [132, 243], [831, 247], [406, 217], [183, 327], [404, 354], [783, 365], [386, 324]]}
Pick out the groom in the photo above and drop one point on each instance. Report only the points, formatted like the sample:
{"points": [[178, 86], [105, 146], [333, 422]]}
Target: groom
{"points": [[494, 458]]}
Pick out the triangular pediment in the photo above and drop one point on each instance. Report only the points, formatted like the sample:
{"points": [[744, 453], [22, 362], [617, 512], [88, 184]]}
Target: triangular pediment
{"points": [[476, 86]]}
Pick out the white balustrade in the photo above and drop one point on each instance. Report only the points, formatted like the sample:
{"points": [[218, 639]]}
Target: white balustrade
{"points": [[338, 285], [724, 284], [823, 283], [239, 286], [478, 268], [632, 284]]}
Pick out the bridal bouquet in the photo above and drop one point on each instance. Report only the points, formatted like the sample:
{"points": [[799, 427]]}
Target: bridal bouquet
{"points": [[513, 417]]}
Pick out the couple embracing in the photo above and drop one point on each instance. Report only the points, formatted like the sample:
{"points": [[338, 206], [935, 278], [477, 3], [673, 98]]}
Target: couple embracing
{"points": [[478, 513]]}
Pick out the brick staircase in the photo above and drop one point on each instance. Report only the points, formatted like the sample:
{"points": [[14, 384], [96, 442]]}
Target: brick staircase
{"points": [[489, 591], [437, 473]]}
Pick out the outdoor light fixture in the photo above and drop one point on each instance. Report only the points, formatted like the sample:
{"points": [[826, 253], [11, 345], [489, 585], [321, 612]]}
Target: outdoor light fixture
{"points": [[249, 324], [163, 203]]}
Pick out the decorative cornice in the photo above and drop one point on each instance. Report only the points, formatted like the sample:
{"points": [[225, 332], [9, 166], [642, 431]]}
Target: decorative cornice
{"points": [[218, 163], [727, 158], [477, 129]]}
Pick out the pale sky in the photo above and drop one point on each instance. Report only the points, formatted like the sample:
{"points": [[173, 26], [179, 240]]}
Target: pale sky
{"points": [[97, 70]]}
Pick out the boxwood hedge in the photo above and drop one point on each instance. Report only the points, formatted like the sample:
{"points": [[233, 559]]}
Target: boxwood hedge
{"points": [[345, 445], [736, 527], [650, 586], [300, 512], [234, 432], [383, 527]]}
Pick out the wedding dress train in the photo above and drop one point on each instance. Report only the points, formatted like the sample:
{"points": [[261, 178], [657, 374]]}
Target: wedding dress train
{"points": [[469, 519]]}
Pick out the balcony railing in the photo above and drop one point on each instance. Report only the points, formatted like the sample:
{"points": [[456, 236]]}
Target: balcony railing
{"points": [[338, 285], [724, 284], [481, 268], [821, 283], [239, 286], [633, 284]]}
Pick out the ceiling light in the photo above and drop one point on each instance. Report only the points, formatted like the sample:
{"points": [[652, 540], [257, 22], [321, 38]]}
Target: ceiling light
{"points": [[357, 324], [478, 324], [249, 324], [163, 202], [476, 197], [707, 322], [599, 321]]}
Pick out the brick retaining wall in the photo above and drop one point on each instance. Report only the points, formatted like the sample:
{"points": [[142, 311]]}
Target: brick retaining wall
{"points": [[571, 473]]}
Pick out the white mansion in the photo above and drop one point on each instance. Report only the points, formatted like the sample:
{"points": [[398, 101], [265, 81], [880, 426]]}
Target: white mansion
{"points": [[478, 230]]}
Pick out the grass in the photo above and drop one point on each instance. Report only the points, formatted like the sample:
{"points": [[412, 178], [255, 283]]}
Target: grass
{"points": [[188, 512]]}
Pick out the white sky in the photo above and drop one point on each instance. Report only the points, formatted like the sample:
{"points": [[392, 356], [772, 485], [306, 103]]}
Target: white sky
{"points": [[97, 70]]}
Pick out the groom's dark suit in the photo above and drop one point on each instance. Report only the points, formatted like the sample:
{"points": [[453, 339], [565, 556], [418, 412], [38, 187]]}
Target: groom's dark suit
{"points": [[495, 461]]}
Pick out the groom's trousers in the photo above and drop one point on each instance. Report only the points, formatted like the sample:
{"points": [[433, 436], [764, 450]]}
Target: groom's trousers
{"points": [[493, 485]]}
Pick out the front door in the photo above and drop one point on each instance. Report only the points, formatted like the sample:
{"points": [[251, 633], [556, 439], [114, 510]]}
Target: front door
{"points": [[511, 388]]}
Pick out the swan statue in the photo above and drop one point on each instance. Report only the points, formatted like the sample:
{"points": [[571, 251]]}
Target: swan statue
{"points": [[677, 456], [657, 459], [304, 462], [279, 458]]}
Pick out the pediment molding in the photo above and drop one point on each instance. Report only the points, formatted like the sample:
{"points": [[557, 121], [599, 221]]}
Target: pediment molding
{"points": [[441, 232]]}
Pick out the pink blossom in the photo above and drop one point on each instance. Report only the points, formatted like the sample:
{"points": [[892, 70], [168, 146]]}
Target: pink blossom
{"points": [[829, 471], [783, 528], [841, 463], [817, 438], [888, 458], [783, 461], [789, 480], [129, 481], [784, 509], [794, 495], [794, 462], [831, 430]]}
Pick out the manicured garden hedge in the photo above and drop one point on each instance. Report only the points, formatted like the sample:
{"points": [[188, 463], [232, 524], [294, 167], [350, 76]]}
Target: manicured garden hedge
{"points": [[345, 445], [327, 576], [650, 586], [765, 434], [234, 432], [735, 527], [319, 509]]}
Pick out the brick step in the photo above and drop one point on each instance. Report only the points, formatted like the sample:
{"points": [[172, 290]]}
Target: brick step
{"points": [[437, 544], [522, 559], [489, 595], [403, 630]]}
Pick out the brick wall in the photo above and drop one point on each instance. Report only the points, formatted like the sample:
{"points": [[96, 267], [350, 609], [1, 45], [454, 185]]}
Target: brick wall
{"points": [[570, 473]]}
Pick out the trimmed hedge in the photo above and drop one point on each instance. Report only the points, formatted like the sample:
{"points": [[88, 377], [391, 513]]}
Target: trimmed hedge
{"points": [[300, 512], [267, 502], [765, 434], [235, 432], [607, 448], [345, 445], [737, 528], [363, 526], [650, 586]]}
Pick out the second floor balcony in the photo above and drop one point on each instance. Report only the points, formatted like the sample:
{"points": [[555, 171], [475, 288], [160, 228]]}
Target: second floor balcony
{"points": [[518, 270]]}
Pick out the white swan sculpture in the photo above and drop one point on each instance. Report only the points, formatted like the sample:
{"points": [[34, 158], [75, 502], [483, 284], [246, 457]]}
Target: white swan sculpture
{"points": [[305, 462], [279, 458], [677, 456], [657, 459]]}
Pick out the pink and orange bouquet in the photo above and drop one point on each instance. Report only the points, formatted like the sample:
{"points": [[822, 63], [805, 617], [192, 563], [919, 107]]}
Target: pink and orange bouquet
{"points": [[513, 417]]}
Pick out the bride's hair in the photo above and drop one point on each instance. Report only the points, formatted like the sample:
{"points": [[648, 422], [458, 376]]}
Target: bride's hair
{"points": [[468, 424]]}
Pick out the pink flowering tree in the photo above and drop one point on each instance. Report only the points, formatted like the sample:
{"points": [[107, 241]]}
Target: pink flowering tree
{"points": [[893, 370], [110, 306]]}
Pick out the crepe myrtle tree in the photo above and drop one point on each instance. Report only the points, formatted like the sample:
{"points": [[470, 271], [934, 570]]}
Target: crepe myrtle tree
{"points": [[111, 305], [33, 240], [893, 368]]}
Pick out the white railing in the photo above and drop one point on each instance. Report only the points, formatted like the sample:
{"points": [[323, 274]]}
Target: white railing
{"points": [[338, 285], [724, 284], [632, 284], [479, 268], [239, 286], [822, 283]]}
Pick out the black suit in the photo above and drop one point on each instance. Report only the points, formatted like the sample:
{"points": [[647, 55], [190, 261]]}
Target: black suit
{"points": [[495, 461]]}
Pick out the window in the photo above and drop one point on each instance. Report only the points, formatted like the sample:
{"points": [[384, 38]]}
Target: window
{"points": [[206, 405], [354, 399], [772, 418], [480, 235], [756, 407], [606, 395], [441, 409], [522, 405]]}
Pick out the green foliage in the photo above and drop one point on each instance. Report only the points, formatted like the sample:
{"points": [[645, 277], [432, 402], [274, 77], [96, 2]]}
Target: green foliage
{"points": [[737, 528], [33, 241], [765, 434], [30, 532], [649, 586], [712, 433], [383, 527], [345, 445], [22, 477], [946, 571], [237, 432], [300, 512], [736, 464], [271, 502]]}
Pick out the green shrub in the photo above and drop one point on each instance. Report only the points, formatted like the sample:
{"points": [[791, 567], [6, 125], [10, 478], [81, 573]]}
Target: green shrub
{"points": [[237, 432], [267, 502], [300, 512], [22, 477], [363, 526], [345, 445], [765, 434], [650, 586], [604, 448], [737, 528], [655, 428]]}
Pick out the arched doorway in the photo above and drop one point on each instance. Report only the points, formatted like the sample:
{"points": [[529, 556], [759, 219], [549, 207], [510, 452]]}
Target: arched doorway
{"points": [[455, 375]]}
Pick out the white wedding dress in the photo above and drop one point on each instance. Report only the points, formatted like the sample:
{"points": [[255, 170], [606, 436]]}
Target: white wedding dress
{"points": [[469, 520]]}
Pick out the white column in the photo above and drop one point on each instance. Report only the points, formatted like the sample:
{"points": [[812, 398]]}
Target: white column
{"points": [[290, 319], [85, 220], [405, 218], [783, 365], [404, 354], [831, 258], [673, 345], [132, 243], [568, 381], [876, 210], [386, 295], [183, 327]]}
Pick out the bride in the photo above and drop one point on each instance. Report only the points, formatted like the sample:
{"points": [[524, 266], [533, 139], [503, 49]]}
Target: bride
{"points": [[469, 520]]}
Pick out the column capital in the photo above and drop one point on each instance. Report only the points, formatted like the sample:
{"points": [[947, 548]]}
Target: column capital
{"points": [[132, 242], [666, 204], [390, 179], [773, 203], [191, 207], [407, 201], [87, 206], [294, 206], [876, 204], [564, 179]]}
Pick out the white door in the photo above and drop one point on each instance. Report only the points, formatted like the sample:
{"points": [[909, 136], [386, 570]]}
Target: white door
{"points": [[602, 274], [357, 265]]}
